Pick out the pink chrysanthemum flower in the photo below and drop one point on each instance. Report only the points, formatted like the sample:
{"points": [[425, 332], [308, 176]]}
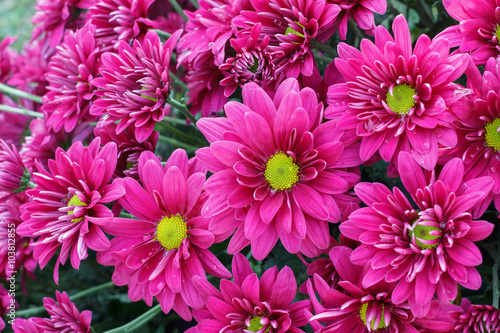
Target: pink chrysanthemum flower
{"points": [[135, 84], [427, 250], [356, 309], [477, 118], [293, 25], [12, 127], [279, 173], [362, 13], [74, 189], [14, 176], [163, 13], [157, 254], [476, 318], [248, 304], [64, 318], [71, 69], [7, 59], [479, 30], [394, 96], [120, 20], [6, 305]]}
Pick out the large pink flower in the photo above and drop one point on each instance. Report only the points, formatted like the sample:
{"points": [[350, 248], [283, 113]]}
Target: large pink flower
{"points": [[249, 305], [75, 188], [427, 250], [135, 84], [157, 254], [279, 172], [393, 96]]}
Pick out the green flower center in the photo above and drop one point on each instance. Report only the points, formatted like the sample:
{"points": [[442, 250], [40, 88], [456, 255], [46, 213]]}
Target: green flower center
{"points": [[255, 325], [497, 33], [255, 65], [171, 231], [281, 172], [401, 100], [423, 232], [492, 136], [75, 201], [362, 314], [25, 180]]}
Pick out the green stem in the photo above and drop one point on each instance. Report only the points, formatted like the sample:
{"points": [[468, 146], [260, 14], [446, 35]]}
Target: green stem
{"points": [[172, 129], [178, 9], [177, 80], [195, 3], [33, 311], [324, 48], [162, 33], [175, 121], [176, 143], [31, 184], [138, 322], [19, 93], [12, 109], [127, 215], [182, 108]]}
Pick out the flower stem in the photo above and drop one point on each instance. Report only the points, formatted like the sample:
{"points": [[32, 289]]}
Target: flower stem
{"points": [[33, 311], [162, 33], [195, 3], [177, 80], [175, 121], [26, 112], [138, 322], [178, 9], [182, 108], [172, 129], [176, 143], [324, 48], [19, 93]]}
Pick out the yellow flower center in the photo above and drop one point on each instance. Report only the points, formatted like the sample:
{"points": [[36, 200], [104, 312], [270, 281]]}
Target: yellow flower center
{"points": [[255, 325], [171, 231], [492, 136], [401, 100], [362, 314], [281, 172], [423, 232], [497, 33], [75, 201]]}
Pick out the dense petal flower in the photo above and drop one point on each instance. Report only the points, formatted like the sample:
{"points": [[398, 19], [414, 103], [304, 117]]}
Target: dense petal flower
{"points": [[394, 95], [157, 254], [425, 251], [14, 176], [362, 13], [476, 318], [279, 173]]}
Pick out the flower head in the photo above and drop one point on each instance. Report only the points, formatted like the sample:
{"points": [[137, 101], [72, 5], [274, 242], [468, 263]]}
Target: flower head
{"points": [[14, 176], [361, 12], [427, 250], [476, 318], [158, 253]]}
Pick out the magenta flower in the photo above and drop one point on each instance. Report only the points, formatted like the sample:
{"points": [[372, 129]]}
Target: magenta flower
{"points": [[352, 308], [5, 305], [278, 171], [427, 250], [64, 318], [70, 72], [157, 254], [135, 84], [362, 13], [249, 305], [293, 25], [394, 96], [476, 318], [478, 32], [12, 126], [14, 176], [74, 189]]}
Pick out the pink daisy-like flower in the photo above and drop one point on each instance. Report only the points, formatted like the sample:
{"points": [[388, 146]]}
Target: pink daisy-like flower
{"points": [[70, 72], [427, 250], [279, 173], [157, 254], [248, 304], [14, 176], [120, 20], [362, 13], [356, 309], [292, 26], [135, 84], [74, 189], [393, 96], [64, 318], [478, 31], [476, 318]]}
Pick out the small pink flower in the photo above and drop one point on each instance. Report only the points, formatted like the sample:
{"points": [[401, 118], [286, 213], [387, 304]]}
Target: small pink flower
{"points": [[14, 176], [362, 13], [476, 318]]}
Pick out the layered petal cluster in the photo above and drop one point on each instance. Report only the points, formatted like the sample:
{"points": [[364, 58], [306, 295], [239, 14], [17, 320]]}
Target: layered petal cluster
{"points": [[5, 304], [71, 70], [248, 304], [279, 173], [292, 26], [158, 253], [425, 251], [478, 31], [64, 318], [74, 188], [352, 308], [476, 318], [135, 84], [362, 13], [394, 96], [14, 176]]}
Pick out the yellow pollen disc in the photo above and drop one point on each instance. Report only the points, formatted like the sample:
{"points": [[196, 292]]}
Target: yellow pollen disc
{"points": [[171, 231], [497, 33], [492, 136], [423, 232], [401, 100], [255, 325], [281, 172], [74, 201], [362, 314]]}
